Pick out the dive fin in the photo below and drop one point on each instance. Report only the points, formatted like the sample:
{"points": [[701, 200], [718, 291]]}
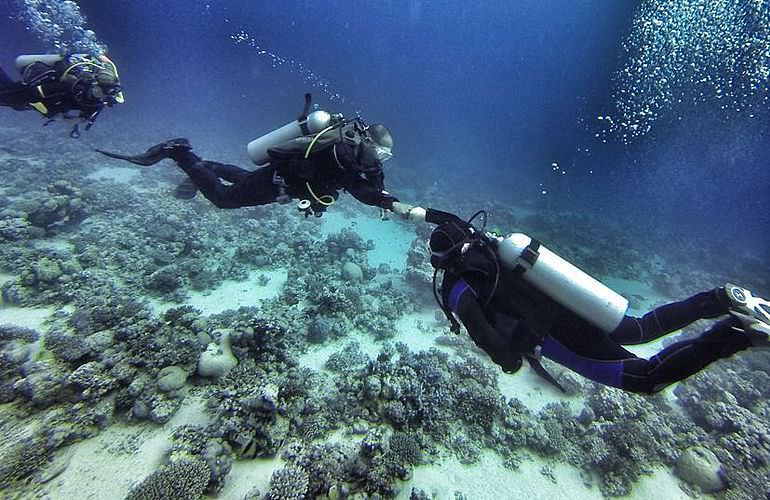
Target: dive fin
{"points": [[154, 154]]}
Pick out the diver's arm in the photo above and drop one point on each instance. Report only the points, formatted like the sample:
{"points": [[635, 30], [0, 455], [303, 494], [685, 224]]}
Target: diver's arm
{"points": [[484, 335], [370, 193], [53, 95]]}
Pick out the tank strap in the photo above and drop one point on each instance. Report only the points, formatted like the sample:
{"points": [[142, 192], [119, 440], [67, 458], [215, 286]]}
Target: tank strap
{"points": [[302, 118], [527, 258]]}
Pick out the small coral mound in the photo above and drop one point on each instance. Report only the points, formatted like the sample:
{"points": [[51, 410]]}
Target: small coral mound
{"points": [[180, 480]]}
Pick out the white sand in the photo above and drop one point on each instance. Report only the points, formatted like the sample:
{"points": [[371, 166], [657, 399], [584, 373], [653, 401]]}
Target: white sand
{"points": [[488, 479], [58, 244], [123, 175], [105, 467], [247, 475], [27, 317], [233, 294], [391, 239]]}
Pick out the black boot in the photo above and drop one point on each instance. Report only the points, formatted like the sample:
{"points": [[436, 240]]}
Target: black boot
{"points": [[169, 149]]}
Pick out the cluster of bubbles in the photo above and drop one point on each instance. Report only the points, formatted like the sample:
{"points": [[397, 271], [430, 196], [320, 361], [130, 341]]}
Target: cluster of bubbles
{"points": [[311, 78], [59, 24], [690, 52]]}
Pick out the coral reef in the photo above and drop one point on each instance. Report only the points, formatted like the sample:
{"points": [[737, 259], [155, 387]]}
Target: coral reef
{"points": [[178, 480], [103, 256]]}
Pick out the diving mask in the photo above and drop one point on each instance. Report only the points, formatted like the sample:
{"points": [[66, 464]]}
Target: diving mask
{"points": [[383, 153]]}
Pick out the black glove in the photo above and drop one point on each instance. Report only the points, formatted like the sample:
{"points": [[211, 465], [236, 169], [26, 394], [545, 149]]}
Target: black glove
{"points": [[511, 363]]}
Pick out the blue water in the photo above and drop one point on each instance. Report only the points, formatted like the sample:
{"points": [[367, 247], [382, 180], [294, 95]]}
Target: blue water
{"points": [[470, 91]]}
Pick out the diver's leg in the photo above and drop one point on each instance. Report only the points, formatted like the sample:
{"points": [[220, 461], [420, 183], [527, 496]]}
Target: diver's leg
{"points": [[230, 173], [671, 317], [187, 188], [603, 363], [17, 95], [611, 365], [683, 359], [256, 188]]}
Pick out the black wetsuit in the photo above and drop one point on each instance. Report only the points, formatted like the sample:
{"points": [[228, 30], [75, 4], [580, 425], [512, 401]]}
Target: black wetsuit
{"points": [[519, 317], [332, 166], [55, 96]]}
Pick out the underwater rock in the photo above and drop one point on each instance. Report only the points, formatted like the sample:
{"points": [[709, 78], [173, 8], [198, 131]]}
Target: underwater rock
{"points": [[171, 378], [352, 272], [13, 332], [47, 270], [14, 228], [91, 380], [22, 457], [99, 342], [318, 330], [12, 356], [219, 457], [698, 466], [217, 360], [43, 382], [165, 280], [65, 346]]}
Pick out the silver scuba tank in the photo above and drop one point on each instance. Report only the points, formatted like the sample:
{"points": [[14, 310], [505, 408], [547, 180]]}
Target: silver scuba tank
{"points": [[48, 59], [562, 281], [312, 124]]}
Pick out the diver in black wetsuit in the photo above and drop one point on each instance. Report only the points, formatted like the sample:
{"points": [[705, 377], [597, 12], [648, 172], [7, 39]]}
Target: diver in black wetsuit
{"points": [[509, 318], [55, 85], [312, 168]]}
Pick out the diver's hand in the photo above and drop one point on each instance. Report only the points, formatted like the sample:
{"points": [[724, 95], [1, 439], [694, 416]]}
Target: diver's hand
{"points": [[510, 364], [401, 209], [409, 212]]}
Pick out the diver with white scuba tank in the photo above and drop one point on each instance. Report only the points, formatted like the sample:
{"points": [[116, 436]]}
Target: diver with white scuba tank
{"points": [[310, 159], [517, 299], [57, 84]]}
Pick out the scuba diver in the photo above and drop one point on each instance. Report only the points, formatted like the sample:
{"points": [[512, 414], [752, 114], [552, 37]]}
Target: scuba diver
{"points": [[518, 299], [57, 84], [310, 159]]}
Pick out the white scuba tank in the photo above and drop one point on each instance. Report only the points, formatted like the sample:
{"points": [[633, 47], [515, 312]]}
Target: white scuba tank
{"points": [[48, 59], [563, 282], [314, 123]]}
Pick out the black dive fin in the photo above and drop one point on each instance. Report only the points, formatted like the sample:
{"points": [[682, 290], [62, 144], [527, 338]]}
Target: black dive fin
{"points": [[154, 154], [142, 159], [186, 190]]}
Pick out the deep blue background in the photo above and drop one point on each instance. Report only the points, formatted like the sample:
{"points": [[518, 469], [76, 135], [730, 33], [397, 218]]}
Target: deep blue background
{"points": [[492, 90]]}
